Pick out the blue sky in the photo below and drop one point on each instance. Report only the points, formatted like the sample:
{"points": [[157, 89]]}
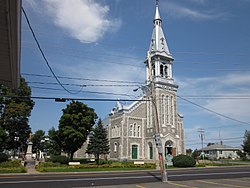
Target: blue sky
{"points": [[107, 40]]}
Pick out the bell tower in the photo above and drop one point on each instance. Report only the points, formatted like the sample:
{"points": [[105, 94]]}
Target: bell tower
{"points": [[162, 116], [159, 60]]}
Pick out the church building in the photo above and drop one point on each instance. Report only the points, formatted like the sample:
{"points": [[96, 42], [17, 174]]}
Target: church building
{"points": [[132, 129]]}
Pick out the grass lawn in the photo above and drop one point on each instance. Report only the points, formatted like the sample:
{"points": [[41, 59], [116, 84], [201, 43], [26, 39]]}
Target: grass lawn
{"points": [[12, 170], [12, 167]]}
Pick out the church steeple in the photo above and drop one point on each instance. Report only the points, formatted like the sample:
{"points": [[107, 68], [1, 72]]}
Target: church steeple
{"points": [[157, 13], [159, 59], [158, 40]]}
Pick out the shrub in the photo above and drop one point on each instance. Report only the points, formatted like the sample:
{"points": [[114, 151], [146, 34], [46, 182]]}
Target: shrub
{"points": [[3, 157], [59, 159], [7, 164], [183, 161]]}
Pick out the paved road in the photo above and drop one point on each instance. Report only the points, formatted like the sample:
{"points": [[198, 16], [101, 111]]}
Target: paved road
{"points": [[127, 179]]}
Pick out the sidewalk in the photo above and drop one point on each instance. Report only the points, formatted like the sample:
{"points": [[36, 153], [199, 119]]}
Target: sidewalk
{"points": [[31, 167]]}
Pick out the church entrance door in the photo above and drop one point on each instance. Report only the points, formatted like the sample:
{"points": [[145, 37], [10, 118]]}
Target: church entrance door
{"points": [[134, 152]]}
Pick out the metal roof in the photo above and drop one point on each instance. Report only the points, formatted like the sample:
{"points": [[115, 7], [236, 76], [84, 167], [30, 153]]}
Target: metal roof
{"points": [[219, 147]]}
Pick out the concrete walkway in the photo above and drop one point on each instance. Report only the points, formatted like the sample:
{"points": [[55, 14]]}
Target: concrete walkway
{"points": [[30, 166]]}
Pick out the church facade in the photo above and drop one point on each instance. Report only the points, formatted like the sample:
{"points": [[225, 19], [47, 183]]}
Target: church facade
{"points": [[132, 129]]}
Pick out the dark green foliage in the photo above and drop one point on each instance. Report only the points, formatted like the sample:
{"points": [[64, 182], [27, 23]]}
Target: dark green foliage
{"points": [[54, 145], [14, 163], [37, 139], [242, 155], [3, 157], [15, 109], [195, 154], [98, 142], [3, 137], [74, 126], [59, 159], [183, 161], [246, 142]]}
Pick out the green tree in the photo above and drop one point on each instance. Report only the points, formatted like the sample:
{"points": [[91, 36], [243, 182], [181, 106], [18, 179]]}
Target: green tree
{"points": [[37, 140], [98, 142], [189, 152], [75, 125], [15, 109], [2, 139], [54, 144], [195, 154], [246, 142]]}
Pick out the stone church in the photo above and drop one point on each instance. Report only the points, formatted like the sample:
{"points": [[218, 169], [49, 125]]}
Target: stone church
{"points": [[131, 129]]}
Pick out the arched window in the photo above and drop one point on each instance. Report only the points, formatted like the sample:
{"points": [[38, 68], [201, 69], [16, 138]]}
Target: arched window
{"points": [[162, 70], [167, 109], [131, 130], [150, 150], [138, 131], [171, 110], [168, 148], [115, 147], [166, 71], [162, 109], [134, 131]]}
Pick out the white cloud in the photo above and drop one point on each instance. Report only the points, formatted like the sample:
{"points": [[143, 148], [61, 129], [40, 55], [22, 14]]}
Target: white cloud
{"points": [[182, 11], [85, 20], [231, 85]]}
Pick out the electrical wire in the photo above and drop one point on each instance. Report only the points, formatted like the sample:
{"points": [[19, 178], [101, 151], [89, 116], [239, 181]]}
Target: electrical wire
{"points": [[86, 79], [214, 112], [76, 99], [84, 85], [93, 92], [43, 55]]}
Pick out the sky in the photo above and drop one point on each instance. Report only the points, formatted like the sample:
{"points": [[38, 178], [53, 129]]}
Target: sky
{"points": [[97, 49]]}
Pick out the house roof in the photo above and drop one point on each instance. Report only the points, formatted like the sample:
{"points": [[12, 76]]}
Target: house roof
{"points": [[220, 147]]}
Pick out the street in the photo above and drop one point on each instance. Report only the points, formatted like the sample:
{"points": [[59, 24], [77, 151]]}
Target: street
{"points": [[177, 177]]}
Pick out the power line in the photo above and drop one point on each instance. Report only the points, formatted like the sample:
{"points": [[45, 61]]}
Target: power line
{"points": [[76, 99], [93, 92], [43, 55], [86, 79], [85, 85], [214, 112]]}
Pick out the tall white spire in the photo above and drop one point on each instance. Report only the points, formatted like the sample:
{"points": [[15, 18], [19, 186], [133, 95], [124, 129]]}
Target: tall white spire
{"points": [[157, 13], [159, 60], [158, 41]]}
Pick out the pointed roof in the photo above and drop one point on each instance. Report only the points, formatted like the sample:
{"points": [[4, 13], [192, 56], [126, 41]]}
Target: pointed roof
{"points": [[158, 42], [157, 13]]}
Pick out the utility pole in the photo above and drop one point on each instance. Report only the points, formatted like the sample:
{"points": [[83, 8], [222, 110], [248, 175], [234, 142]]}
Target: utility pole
{"points": [[157, 136], [149, 90], [202, 137]]}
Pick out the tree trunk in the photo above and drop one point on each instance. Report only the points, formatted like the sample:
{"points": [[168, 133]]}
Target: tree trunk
{"points": [[97, 159], [71, 156]]}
